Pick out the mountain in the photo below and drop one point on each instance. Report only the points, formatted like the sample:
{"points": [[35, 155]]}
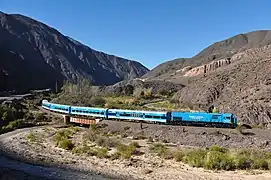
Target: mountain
{"points": [[34, 55], [233, 74], [219, 50]]}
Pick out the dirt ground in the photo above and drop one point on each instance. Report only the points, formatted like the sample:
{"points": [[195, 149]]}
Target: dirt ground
{"points": [[139, 167], [195, 136]]}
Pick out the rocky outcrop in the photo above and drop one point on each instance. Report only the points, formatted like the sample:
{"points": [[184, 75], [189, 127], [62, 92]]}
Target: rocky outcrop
{"points": [[208, 67], [219, 50], [36, 56], [138, 85], [242, 87]]}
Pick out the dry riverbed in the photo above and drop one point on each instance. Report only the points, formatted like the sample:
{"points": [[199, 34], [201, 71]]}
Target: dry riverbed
{"points": [[99, 152]]}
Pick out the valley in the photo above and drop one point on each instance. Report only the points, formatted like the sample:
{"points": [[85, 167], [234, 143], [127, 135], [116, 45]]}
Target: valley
{"points": [[232, 74]]}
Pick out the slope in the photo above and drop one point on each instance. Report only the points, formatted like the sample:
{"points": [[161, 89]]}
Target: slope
{"points": [[34, 55], [219, 50]]}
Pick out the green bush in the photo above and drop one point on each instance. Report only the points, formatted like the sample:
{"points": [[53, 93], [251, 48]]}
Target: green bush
{"points": [[66, 144], [81, 149], [126, 151], [178, 155], [218, 160], [260, 164], [161, 150], [218, 149], [195, 158], [102, 152], [40, 117], [15, 124], [243, 162], [31, 137], [61, 135], [97, 101], [6, 116]]}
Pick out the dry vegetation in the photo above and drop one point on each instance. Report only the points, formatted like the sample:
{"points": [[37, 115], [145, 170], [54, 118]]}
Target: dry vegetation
{"points": [[15, 115], [138, 98], [96, 142]]}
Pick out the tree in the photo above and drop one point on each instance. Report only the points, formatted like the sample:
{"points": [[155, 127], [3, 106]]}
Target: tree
{"points": [[97, 101], [128, 90], [5, 116]]}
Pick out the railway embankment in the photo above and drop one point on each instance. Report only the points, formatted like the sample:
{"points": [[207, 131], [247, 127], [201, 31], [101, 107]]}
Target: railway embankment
{"points": [[119, 149]]}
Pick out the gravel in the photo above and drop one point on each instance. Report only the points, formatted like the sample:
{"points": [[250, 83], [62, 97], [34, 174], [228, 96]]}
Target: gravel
{"points": [[195, 136]]}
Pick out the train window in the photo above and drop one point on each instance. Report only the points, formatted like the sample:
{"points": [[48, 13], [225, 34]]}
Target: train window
{"points": [[125, 114], [156, 117], [215, 117]]}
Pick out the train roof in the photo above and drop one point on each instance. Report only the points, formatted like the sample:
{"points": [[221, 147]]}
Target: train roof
{"points": [[195, 113], [59, 104], [88, 107], [128, 110]]}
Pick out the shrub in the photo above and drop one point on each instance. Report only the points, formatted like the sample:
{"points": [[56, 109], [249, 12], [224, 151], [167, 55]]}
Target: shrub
{"points": [[74, 128], [66, 144], [5, 116], [178, 155], [161, 150], [28, 116], [218, 149], [106, 141], [115, 155], [148, 94], [218, 160], [101, 152], [30, 137], [61, 135], [243, 162], [40, 117], [126, 151], [80, 149], [93, 127], [195, 157], [15, 124], [260, 164], [128, 90], [97, 101]]}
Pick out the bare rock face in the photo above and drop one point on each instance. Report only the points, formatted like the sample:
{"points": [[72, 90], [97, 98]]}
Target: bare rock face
{"points": [[232, 74], [218, 50], [37, 56], [208, 67], [242, 87]]}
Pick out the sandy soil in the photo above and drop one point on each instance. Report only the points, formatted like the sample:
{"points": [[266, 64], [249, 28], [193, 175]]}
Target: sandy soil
{"points": [[196, 136], [139, 167]]}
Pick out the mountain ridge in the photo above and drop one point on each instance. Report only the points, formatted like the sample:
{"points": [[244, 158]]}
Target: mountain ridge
{"points": [[44, 49], [217, 50]]}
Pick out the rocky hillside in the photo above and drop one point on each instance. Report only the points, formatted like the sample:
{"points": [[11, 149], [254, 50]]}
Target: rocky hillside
{"points": [[34, 55], [137, 85], [217, 51], [234, 75]]}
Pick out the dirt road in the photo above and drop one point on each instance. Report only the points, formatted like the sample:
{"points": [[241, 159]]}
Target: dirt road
{"points": [[12, 169]]}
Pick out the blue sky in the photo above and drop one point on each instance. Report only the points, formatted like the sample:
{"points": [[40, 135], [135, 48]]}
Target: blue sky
{"points": [[149, 31]]}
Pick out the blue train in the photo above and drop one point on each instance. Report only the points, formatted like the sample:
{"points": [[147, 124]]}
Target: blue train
{"points": [[173, 118]]}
